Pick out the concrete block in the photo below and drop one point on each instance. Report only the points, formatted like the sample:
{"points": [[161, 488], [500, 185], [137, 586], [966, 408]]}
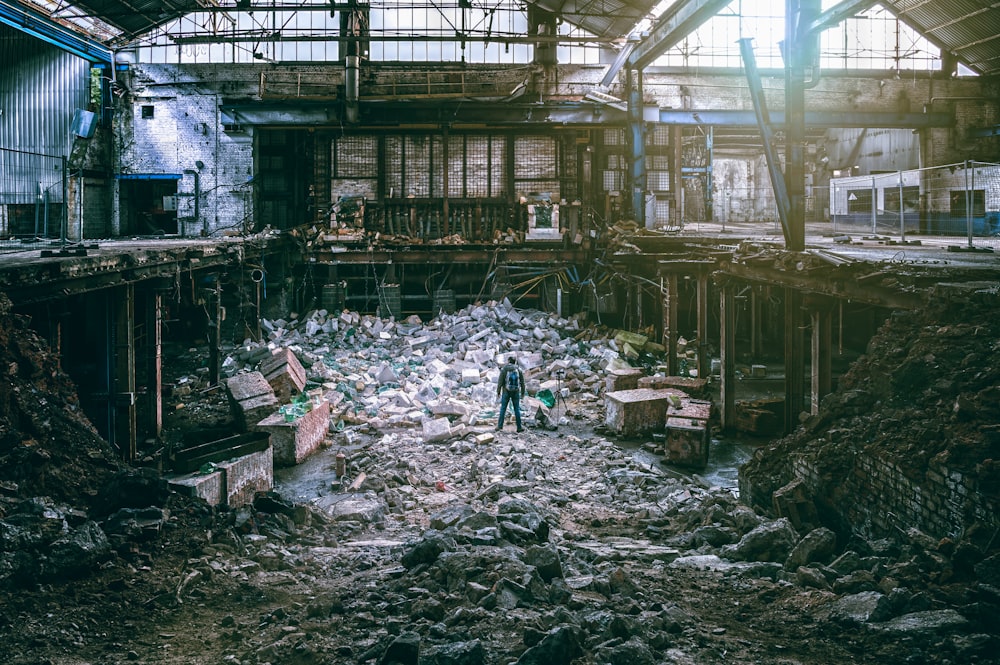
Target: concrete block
{"points": [[251, 398], [436, 429], [234, 482], [470, 375], [246, 475], [687, 442], [385, 374], [295, 440], [285, 374], [622, 379], [207, 486], [635, 412]]}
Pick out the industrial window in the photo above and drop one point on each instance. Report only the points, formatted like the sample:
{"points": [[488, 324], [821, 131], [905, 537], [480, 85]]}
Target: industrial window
{"points": [[911, 199], [859, 200], [417, 156], [456, 166], [498, 166], [959, 198], [477, 165], [355, 157], [535, 164]]}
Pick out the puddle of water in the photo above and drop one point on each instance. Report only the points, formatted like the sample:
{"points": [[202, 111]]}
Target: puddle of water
{"points": [[725, 456]]}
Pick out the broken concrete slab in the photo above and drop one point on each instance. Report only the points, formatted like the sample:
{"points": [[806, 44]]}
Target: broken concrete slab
{"points": [[436, 429], [251, 398]]}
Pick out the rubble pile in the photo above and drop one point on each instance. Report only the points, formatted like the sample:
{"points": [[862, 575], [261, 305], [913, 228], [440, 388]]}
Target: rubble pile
{"points": [[408, 374], [442, 542]]}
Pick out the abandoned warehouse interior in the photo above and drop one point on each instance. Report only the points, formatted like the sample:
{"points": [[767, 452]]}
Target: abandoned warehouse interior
{"points": [[261, 264]]}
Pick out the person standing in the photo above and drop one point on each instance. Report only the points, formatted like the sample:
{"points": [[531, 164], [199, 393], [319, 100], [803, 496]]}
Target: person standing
{"points": [[510, 388]]}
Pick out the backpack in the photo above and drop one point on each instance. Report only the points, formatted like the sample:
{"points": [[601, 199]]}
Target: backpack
{"points": [[513, 381]]}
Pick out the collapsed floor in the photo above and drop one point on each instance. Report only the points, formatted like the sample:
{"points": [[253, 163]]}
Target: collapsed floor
{"points": [[555, 546]]}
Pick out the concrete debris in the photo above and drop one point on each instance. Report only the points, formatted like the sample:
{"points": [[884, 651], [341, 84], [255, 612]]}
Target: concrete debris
{"points": [[439, 376], [545, 547]]}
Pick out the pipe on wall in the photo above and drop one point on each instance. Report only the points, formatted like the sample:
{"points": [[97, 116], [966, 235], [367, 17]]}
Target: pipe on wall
{"points": [[351, 94]]}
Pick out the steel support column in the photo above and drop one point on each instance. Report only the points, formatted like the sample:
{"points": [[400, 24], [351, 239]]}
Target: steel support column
{"points": [[637, 167], [798, 49], [123, 391]]}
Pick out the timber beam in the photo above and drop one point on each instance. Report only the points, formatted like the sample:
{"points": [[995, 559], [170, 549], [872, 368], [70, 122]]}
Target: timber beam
{"points": [[849, 285]]}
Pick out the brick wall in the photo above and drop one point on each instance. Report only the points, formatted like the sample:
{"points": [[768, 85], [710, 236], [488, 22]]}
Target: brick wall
{"points": [[878, 499]]}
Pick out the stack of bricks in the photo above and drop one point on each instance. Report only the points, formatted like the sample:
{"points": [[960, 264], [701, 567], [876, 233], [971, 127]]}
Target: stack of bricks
{"points": [[294, 440], [697, 388], [285, 374], [622, 379]]}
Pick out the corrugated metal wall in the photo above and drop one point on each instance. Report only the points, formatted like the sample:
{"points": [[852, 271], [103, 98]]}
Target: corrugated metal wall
{"points": [[40, 89]]}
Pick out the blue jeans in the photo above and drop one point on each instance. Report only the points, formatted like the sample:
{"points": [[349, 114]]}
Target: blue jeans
{"points": [[515, 401]]}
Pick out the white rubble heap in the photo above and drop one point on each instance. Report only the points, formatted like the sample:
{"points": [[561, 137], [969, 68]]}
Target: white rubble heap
{"points": [[438, 376]]}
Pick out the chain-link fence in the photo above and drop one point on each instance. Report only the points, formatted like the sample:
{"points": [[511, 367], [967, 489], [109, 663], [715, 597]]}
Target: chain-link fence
{"points": [[958, 200], [33, 196]]}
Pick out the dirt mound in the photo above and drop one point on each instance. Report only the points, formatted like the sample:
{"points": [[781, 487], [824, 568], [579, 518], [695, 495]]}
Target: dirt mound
{"points": [[923, 404], [47, 446]]}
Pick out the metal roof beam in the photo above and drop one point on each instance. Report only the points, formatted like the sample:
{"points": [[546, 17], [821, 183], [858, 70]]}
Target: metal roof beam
{"points": [[838, 13], [43, 28], [825, 119], [675, 24]]}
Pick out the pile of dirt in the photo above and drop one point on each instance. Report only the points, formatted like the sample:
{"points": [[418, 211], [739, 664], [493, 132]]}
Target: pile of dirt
{"points": [[909, 445], [47, 446]]}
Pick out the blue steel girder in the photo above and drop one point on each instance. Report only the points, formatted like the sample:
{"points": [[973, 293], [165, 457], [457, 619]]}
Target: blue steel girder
{"points": [[637, 170], [822, 119], [41, 27], [680, 20], [778, 184]]}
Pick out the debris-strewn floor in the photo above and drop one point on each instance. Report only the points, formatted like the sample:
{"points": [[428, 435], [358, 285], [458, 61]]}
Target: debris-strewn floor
{"points": [[551, 546]]}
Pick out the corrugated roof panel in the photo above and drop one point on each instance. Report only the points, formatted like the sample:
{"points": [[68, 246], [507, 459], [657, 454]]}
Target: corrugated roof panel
{"points": [[967, 28]]}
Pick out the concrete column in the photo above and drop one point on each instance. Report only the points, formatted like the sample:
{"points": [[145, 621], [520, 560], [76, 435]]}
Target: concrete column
{"points": [[704, 362], [794, 359], [727, 346], [669, 287], [822, 338]]}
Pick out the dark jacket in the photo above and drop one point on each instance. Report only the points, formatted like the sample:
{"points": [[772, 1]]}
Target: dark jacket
{"points": [[502, 381]]}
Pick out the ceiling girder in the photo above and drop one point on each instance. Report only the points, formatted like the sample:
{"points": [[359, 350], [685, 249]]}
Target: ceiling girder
{"points": [[47, 30], [674, 25]]}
